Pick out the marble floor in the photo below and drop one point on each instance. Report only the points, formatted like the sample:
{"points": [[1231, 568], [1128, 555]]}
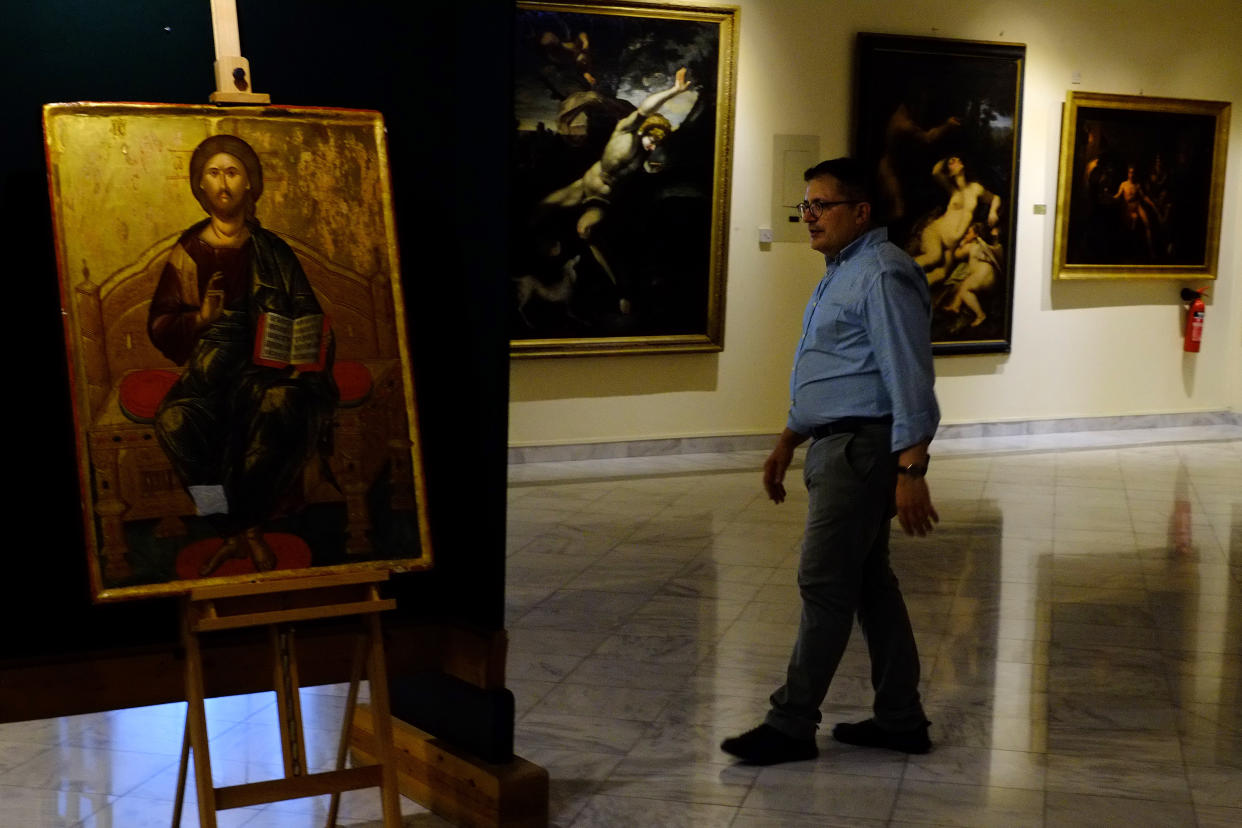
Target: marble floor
{"points": [[1078, 610], [119, 769]]}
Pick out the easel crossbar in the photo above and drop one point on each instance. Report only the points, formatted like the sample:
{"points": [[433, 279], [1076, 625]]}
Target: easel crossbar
{"points": [[287, 585], [315, 784], [287, 616]]}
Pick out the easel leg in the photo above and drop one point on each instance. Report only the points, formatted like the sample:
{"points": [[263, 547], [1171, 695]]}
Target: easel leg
{"points": [[196, 724], [377, 672], [288, 700], [347, 723], [181, 774], [226, 607]]}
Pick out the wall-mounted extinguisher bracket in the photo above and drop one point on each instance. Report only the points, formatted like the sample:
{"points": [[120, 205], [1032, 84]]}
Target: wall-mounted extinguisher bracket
{"points": [[1194, 319]]}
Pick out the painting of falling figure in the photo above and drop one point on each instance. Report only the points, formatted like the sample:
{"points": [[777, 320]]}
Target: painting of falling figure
{"points": [[623, 121], [248, 408]]}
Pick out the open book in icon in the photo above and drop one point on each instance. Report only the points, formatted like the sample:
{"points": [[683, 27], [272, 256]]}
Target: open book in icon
{"points": [[301, 342]]}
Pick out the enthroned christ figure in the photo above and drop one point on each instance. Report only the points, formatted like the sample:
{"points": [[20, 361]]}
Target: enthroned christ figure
{"points": [[255, 398]]}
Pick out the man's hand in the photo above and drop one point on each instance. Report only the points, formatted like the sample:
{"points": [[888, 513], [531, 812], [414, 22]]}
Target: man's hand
{"points": [[774, 472], [915, 511], [778, 462]]}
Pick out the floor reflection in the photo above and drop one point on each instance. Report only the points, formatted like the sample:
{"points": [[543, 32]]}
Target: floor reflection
{"points": [[1077, 612], [118, 769]]}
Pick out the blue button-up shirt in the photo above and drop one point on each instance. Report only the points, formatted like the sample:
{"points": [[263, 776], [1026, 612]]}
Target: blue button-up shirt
{"points": [[865, 349]]}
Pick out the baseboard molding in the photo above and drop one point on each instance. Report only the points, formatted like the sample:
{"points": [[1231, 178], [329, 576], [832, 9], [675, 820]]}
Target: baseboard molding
{"points": [[763, 442], [1087, 424]]}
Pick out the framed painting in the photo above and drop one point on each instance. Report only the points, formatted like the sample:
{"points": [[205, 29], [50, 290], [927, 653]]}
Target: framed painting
{"points": [[938, 121], [1140, 187], [623, 119], [240, 373]]}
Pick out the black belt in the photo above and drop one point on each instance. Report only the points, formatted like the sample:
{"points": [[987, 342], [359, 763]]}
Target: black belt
{"points": [[848, 425]]}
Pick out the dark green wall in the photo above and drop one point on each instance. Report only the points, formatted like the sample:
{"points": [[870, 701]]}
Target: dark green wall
{"points": [[438, 73]]}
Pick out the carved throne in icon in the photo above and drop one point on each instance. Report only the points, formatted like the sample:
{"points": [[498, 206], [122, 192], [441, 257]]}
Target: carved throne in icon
{"points": [[126, 376]]}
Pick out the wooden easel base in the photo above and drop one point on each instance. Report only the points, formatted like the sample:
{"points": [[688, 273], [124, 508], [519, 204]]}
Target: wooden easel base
{"points": [[278, 605], [460, 788]]}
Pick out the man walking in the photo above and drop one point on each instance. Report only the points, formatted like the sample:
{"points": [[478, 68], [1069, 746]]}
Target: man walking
{"points": [[861, 389]]}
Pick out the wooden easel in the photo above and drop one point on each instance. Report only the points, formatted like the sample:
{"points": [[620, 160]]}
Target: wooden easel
{"points": [[278, 605]]}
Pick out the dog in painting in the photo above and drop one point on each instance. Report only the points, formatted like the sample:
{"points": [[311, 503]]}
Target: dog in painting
{"points": [[559, 292]]}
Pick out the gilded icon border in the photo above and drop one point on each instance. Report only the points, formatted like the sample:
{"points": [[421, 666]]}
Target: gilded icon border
{"points": [[122, 200]]}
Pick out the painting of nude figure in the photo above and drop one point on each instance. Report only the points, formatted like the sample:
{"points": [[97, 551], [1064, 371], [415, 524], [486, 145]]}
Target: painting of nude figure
{"points": [[235, 330], [1140, 187], [938, 122], [620, 171]]}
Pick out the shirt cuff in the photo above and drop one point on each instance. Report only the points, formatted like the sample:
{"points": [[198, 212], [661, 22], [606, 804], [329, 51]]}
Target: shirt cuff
{"points": [[794, 424], [911, 431]]}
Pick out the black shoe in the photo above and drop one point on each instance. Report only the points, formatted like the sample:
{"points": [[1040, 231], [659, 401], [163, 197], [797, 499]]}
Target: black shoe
{"points": [[765, 745], [869, 734]]}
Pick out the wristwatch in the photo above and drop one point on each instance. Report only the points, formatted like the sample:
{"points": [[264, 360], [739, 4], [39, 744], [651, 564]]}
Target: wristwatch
{"points": [[914, 469]]}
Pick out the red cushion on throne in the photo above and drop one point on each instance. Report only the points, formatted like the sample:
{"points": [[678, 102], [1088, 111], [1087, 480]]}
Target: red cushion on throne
{"points": [[353, 380], [141, 391]]}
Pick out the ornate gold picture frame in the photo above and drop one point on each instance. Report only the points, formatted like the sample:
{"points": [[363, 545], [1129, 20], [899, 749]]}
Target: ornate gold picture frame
{"points": [[939, 123], [1140, 187], [623, 118], [240, 374]]}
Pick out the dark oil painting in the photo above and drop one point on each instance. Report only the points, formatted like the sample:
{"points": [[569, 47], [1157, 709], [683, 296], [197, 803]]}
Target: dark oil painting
{"points": [[620, 178], [1139, 192], [938, 121]]}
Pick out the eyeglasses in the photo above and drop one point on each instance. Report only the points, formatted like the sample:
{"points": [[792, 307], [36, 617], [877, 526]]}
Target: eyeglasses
{"points": [[816, 208]]}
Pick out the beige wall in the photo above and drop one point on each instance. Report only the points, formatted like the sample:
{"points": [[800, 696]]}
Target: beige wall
{"points": [[1079, 348]]}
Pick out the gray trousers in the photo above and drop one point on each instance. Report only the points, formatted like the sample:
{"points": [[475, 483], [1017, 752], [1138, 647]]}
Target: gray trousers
{"points": [[844, 570]]}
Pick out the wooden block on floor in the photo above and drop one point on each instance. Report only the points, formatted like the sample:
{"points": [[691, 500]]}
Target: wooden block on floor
{"points": [[454, 785]]}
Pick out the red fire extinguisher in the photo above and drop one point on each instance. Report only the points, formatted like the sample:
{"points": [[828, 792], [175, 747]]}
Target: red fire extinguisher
{"points": [[1194, 319]]}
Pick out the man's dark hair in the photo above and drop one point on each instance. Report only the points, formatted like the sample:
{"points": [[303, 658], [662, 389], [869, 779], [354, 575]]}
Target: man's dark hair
{"points": [[849, 173]]}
